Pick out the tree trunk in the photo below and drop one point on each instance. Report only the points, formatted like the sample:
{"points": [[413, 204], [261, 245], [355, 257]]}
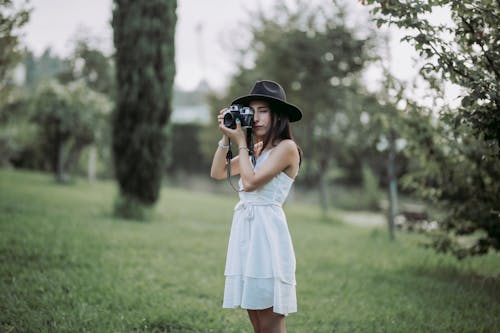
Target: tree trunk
{"points": [[59, 167], [73, 157], [324, 196], [92, 165], [393, 186]]}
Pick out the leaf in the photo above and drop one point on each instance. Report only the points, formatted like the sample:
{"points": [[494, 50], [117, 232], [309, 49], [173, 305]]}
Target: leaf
{"points": [[467, 101]]}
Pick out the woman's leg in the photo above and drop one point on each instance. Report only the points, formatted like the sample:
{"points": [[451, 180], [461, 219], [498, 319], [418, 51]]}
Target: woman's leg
{"points": [[254, 318], [270, 322]]}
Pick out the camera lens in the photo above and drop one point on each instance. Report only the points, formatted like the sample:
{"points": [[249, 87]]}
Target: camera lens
{"points": [[229, 120]]}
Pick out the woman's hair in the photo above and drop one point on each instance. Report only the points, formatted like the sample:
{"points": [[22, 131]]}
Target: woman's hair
{"points": [[279, 130]]}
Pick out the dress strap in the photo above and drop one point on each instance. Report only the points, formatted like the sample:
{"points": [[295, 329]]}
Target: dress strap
{"points": [[266, 153], [262, 157]]}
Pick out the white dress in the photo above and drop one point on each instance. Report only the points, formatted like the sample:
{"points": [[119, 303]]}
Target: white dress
{"points": [[260, 263]]}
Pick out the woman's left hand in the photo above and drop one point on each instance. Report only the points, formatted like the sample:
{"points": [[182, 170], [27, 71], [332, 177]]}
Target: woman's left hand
{"points": [[257, 149]]}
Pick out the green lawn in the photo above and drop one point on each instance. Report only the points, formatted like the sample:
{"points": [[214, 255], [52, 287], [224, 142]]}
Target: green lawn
{"points": [[68, 266]]}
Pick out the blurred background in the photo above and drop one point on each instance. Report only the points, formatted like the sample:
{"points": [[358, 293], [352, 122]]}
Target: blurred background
{"points": [[373, 120], [70, 42]]}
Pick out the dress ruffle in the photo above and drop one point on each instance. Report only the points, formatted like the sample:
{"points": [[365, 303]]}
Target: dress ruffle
{"points": [[259, 293]]}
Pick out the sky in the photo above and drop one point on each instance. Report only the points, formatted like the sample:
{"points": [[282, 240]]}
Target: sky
{"points": [[200, 53]]}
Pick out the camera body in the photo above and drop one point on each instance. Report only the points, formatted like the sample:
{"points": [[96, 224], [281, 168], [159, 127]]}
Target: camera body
{"points": [[237, 111]]}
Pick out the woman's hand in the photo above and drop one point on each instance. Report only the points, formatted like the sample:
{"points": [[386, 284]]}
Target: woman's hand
{"points": [[237, 134], [257, 149], [220, 116]]}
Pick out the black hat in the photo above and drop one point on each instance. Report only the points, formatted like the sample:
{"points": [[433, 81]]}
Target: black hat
{"points": [[273, 93]]}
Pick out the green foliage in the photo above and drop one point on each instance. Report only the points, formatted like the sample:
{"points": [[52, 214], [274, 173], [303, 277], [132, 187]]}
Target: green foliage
{"points": [[12, 18], [465, 52], [131, 209], [45, 67], [69, 118], [370, 188], [17, 132], [457, 172], [68, 266], [184, 153], [86, 70], [144, 40], [459, 158], [89, 64], [20, 146]]}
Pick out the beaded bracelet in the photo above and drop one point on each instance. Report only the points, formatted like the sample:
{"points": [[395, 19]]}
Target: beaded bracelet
{"points": [[246, 148], [223, 146]]}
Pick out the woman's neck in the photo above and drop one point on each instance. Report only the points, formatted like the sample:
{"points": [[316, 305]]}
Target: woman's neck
{"points": [[269, 146]]}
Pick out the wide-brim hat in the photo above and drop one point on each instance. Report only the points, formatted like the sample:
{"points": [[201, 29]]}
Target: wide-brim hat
{"points": [[273, 93]]}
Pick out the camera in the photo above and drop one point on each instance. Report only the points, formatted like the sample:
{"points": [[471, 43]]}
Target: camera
{"points": [[244, 113]]}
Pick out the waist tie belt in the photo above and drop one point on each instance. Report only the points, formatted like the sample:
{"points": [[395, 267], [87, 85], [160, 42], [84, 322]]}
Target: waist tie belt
{"points": [[248, 213]]}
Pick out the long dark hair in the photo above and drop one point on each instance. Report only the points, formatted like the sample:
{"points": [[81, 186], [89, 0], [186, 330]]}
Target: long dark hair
{"points": [[280, 130]]}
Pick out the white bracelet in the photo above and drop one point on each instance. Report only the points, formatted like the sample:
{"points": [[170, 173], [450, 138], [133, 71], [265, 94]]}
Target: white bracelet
{"points": [[242, 147], [223, 146]]}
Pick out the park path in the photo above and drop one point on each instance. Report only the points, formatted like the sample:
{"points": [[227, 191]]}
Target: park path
{"points": [[363, 219]]}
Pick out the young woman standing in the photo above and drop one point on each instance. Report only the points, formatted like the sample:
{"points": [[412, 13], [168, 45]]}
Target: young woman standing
{"points": [[260, 263]]}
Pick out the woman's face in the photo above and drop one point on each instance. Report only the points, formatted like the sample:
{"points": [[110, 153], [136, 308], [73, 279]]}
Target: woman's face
{"points": [[262, 118]]}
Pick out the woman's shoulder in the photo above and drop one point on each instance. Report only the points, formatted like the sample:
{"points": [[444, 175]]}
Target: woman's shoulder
{"points": [[287, 144], [287, 147]]}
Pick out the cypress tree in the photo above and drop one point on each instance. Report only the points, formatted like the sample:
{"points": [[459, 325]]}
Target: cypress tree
{"points": [[145, 69]]}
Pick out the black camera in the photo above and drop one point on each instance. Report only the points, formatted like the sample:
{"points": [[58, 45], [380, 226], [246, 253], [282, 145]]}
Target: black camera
{"points": [[237, 111]]}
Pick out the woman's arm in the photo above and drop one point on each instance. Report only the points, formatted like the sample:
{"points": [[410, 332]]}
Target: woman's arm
{"points": [[219, 166], [284, 157]]}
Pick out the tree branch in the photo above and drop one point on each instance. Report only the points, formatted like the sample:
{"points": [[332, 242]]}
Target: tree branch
{"points": [[448, 62], [481, 44]]}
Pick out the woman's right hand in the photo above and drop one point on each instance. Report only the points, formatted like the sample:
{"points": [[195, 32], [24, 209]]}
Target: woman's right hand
{"points": [[220, 116], [237, 134]]}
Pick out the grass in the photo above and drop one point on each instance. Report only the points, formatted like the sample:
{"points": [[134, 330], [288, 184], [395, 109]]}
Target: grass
{"points": [[69, 266]]}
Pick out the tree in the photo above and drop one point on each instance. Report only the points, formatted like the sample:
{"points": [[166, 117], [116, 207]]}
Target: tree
{"points": [[11, 20], [17, 133], [90, 64], [459, 156], [69, 118], [86, 66], [144, 40], [43, 68]]}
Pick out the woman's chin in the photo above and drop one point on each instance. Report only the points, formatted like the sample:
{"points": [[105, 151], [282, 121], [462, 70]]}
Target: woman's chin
{"points": [[259, 132]]}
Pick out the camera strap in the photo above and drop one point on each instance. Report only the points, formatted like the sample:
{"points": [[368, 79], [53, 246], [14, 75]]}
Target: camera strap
{"points": [[250, 146], [229, 157]]}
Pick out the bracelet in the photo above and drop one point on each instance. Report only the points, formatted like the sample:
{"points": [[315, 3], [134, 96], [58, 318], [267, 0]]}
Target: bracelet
{"points": [[223, 146], [243, 147]]}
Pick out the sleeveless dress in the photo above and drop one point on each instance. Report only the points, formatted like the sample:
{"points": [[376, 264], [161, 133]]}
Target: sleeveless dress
{"points": [[260, 262]]}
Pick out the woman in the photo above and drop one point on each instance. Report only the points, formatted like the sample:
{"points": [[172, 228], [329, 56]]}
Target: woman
{"points": [[260, 263]]}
